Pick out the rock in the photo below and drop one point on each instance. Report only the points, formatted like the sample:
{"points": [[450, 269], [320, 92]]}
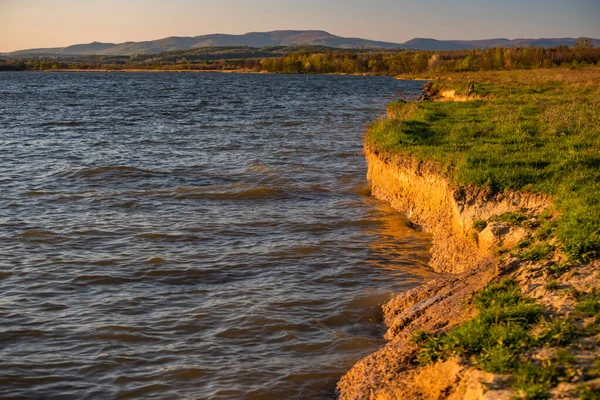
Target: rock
{"points": [[478, 385], [492, 236]]}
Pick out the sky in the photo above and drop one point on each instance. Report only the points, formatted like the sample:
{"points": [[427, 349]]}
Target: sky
{"points": [[58, 23]]}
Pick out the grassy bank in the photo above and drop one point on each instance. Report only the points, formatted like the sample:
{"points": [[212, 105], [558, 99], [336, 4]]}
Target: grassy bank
{"points": [[509, 326], [534, 130]]}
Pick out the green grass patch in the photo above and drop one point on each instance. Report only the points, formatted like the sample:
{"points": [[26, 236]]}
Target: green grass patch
{"points": [[507, 326], [546, 230], [513, 218], [559, 268], [533, 381], [480, 225], [525, 242], [589, 305], [495, 337], [535, 131], [586, 391], [551, 285], [558, 332], [537, 252]]}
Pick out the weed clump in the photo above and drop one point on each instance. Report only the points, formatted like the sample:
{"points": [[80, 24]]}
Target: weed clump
{"points": [[540, 251], [513, 218], [479, 225], [589, 306]]}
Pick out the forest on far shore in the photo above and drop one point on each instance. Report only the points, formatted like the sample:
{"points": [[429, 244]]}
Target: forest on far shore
{"points": [[322, 60]]}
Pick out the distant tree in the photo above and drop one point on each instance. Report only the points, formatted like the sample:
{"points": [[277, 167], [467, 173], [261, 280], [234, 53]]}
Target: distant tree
{"points": [[420, 62], [498, 59]]}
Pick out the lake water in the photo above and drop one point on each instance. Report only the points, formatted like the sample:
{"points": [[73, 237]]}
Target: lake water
{"points": [[205, 236]]}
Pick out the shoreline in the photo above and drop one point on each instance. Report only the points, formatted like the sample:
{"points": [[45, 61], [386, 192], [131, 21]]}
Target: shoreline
{"points": [[428, 198], [488, 240], [219, 71], [136, 70]]}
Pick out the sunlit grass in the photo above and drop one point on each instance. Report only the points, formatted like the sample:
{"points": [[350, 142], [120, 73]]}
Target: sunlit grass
{"points": [[536, 131], [500, 335]]}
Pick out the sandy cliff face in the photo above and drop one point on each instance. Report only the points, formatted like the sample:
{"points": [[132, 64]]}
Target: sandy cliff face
{"points": [[448, 211]]}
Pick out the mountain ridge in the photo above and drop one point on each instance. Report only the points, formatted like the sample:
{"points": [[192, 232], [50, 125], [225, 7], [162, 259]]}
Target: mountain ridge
{"points": [[283, 38]]}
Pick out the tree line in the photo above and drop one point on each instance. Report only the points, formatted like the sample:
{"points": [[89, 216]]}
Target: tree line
{"points": [[332, 61], [414, 62]]}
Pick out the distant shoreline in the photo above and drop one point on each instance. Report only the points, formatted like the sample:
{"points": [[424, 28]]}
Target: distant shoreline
{"points": [[220, 71], [144, 70]]}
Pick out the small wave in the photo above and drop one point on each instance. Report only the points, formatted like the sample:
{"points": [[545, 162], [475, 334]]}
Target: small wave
{"points": [[347, 155], [110, 172], [306, 250], [35, 193], [62, 123], [165, 237], [96, 232], [5, 274], [121, 337], [102, 280], [127, 204], [34, 233], [250, 192], [186, 374], [259, 169], [120, 333], [10, 335], [105, 263], [363, 190], [49, 306], [319, 188], [234, 192], [190, 276]]}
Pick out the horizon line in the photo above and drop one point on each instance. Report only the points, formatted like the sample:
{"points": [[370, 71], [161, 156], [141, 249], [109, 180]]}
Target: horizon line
{"points": [[295, 30]]}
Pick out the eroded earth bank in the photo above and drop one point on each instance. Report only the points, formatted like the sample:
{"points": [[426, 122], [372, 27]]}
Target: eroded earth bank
{"points": [[511, 315]]}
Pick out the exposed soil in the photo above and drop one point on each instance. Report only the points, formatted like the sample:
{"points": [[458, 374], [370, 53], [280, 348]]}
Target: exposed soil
{"points": [[470, 259]]}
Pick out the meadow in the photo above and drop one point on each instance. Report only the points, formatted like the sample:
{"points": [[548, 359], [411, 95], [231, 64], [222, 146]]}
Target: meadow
{"points": [[528, 130]]}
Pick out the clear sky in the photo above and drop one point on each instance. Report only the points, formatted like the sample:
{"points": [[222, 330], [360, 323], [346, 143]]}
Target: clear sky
{"points": [[57, 23]]}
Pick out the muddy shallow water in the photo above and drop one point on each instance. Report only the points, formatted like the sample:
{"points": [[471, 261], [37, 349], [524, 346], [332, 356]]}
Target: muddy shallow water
{"points": [[192, 235]]}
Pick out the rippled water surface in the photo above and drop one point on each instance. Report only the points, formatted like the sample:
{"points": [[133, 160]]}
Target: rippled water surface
{"points": [[202, 236]]}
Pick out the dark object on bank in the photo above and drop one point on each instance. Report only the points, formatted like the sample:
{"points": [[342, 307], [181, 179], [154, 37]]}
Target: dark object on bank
{"points": [[429, 93], [471, 90]]}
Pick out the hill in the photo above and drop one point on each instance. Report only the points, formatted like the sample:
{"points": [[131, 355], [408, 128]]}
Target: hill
{"points": [[434, 44], [252, 39], [283, 38]]}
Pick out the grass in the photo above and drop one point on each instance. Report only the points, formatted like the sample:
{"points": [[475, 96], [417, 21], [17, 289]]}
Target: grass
{"points": [[532, 381], [589, 305], [480, 225], [551, 285], [535, 131], [513, 218], [525, 242], [559, 268], [507, 326], [586, 392], [557, 332], [546, 230], [537, 252]]}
